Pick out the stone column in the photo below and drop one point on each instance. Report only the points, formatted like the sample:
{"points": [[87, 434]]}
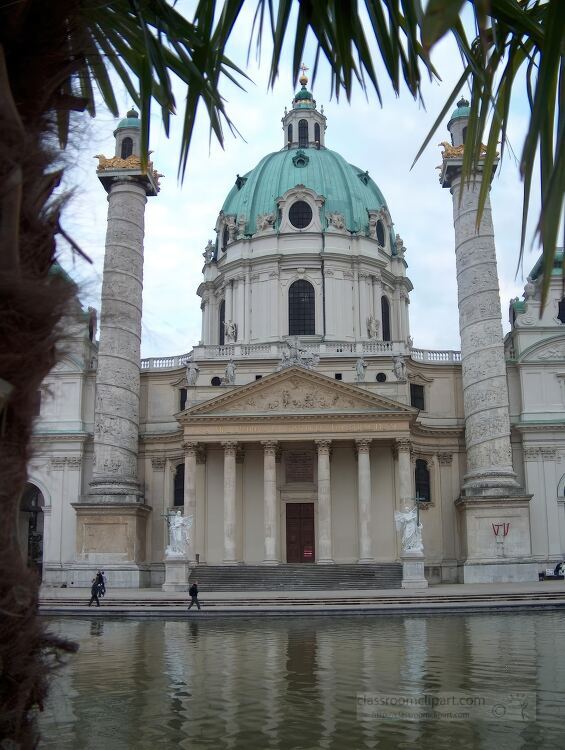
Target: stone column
{"points": [[364, 499], [190, 451], [229, 300], [490, 493], [324, 553], [405, 495], [240, 306], [271, 515], [377, 294], [247, 313], [229, 502], [116, 416]]}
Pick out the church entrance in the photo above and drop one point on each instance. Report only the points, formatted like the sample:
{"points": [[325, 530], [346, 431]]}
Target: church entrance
{"points": [[300, 536]]}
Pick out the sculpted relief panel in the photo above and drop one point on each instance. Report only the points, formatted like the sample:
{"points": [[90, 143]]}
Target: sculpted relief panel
{"points": [[294, 395]]}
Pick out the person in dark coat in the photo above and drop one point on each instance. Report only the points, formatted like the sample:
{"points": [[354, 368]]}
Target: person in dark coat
{"points": [[94, 590], [193, 593], [100, 583]]}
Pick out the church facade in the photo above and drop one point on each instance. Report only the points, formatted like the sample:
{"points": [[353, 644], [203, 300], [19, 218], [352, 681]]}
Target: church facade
{"points": [[306, 416]]}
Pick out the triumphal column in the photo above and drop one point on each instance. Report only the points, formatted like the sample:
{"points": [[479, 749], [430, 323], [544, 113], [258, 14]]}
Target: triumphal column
{"points": [[111, 519], [491, 499]]}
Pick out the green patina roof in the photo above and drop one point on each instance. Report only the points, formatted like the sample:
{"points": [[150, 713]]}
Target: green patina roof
{"points": [[537, 270], [347, 189], [463, 110], [131, 120]]}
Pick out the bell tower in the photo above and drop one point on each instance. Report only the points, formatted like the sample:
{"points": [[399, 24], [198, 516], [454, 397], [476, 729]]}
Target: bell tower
{"points": [[111, 519]]}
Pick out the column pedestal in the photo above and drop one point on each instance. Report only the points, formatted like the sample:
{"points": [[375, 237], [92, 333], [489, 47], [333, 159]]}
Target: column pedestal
{"points": [[413, 570], [489, 556], [177, 571]]}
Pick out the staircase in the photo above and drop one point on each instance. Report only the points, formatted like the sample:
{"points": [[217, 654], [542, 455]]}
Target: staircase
{"points": [[299, 577]]}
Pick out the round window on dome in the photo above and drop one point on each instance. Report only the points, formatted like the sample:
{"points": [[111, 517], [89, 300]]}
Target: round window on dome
{"points": [[300, 214], [381, 377], [380, 233]]}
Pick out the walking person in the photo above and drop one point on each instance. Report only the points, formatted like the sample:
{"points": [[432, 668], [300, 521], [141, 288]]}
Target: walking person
{"points": [[94, 590], [193, 593], [101, 583]]}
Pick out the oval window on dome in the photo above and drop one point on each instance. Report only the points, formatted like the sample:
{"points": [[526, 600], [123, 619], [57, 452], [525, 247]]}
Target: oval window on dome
{"points": [[300, 214], [380, 233]]}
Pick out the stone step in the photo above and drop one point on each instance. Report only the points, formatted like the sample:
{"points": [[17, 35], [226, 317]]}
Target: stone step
{"points": [[298, 577]]}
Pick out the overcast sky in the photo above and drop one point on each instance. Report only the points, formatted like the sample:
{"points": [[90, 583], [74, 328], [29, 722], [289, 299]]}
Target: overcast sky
{"points": [[181, 219]]}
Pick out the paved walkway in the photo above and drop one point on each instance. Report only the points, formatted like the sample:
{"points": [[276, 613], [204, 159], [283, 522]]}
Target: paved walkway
{"points": [[440, 598]]}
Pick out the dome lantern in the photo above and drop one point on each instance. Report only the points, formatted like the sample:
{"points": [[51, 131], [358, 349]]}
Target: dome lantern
{"points": [[303, 125]]}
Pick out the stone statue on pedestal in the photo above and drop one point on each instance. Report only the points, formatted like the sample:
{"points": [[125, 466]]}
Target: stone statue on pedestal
{"points": [[360, 367], [407, 523], [179, 535], [192, 371], [229, 376], [230, 331], [399, 367], [373, 327]]}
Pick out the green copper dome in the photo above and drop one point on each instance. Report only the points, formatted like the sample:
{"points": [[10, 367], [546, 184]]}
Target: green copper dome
{"points": [[463, 109], [131, 120], [347, 190]]}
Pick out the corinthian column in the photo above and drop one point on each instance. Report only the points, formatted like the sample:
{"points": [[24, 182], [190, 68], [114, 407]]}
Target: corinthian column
{"points": [[364, 499], [190, 450], [404, 472], [324, 503], [229, 502], [270, 501]]}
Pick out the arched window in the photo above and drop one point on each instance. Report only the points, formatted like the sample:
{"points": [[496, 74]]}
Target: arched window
{"points": [[303, 133], [317, 135], [222, 320], [225, 238], [561, 310], [127, 148], [385, 316], [301, 309], [289, 135], [422, 481], [182, 399], [178, 491]]}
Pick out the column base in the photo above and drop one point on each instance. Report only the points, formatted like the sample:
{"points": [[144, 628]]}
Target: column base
{"points": [[325, 561], [366, 560], [413, 571], [177, 571], [271, 562]]}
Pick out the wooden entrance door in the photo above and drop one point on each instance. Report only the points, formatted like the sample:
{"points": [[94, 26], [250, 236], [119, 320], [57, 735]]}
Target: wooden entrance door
{"points": [[300, 540]]}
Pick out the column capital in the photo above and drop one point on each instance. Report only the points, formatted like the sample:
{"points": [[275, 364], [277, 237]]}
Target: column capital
{"points": [[230, 446], [270, 447], [201, 454], [363, 445], [189, 447], [445, 459], [158, 463], [323, 446], [403, 445]]}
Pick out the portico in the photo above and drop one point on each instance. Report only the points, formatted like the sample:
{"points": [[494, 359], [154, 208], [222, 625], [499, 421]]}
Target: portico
{"points": [[296, 451]]}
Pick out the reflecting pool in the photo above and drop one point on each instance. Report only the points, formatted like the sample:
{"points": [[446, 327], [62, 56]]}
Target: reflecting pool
{"points": [[481, 681]]}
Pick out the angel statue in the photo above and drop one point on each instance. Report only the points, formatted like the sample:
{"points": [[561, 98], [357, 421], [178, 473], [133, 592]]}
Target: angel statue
{"points": [[407, 523], [179, 535]]}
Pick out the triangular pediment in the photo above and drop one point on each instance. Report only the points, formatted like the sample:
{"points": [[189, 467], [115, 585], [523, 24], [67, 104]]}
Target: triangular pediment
{"points": [[297, 390]]}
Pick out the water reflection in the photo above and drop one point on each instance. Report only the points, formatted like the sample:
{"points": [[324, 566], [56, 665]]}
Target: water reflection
{"points": [[292, 683]]}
